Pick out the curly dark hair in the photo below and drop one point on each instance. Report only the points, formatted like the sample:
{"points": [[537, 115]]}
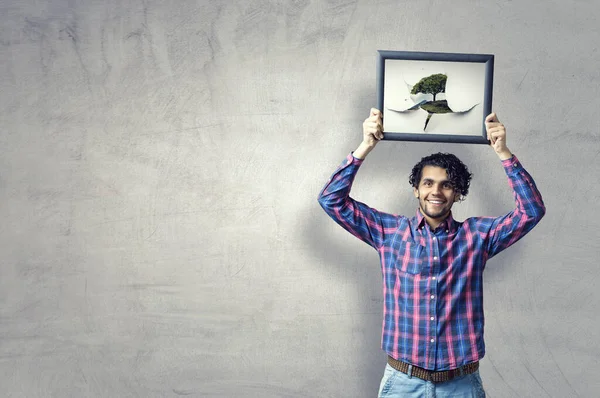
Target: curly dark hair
{"points": [[457, 172]]}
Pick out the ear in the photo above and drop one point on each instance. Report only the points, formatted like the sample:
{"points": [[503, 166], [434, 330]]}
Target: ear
{"points": [[416, 192]]}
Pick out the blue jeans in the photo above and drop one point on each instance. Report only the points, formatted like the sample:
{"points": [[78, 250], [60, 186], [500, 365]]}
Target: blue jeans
{"points": [[397, 384]]}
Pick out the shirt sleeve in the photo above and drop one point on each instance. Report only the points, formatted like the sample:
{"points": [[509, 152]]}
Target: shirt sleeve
{"points": [[362, 221], [529, 210]]}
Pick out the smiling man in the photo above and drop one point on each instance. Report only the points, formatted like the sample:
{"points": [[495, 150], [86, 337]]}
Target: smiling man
{"points": [[432, 265], [436, 190]]}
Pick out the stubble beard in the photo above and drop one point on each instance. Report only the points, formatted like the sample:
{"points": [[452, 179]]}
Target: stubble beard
{"points": [[441, 213]]}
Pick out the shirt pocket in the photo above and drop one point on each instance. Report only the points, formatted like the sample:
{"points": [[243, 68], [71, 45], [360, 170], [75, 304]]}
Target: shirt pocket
{"points": [[410, 257]]}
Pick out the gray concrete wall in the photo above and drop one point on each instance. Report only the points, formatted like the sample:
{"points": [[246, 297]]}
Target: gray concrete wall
{"points": [[159, 168]]}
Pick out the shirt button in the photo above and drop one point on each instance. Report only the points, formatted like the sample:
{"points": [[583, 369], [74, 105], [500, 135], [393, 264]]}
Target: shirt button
{"points": [[435, 257], [446, 231], [434, 238], [432, 318], [434, 278], [432, 296], [433, 340]]}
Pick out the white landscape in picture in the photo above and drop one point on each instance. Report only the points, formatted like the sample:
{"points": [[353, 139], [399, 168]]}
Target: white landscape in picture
{"points": [[464, 93]]}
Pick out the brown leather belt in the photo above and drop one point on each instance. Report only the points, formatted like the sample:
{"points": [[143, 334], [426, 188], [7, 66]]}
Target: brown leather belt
{"points": [[429, 375]]}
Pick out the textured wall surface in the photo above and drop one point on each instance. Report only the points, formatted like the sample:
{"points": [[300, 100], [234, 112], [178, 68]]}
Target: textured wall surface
{"points": [[159, 168]]}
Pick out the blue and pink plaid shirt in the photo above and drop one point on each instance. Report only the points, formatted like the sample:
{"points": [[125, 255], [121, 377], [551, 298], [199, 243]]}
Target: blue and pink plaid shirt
{"points": [[433, 279]]}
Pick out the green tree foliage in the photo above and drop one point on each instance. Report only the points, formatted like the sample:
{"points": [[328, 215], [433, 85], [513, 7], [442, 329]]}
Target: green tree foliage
{"points": [[433, 84]]}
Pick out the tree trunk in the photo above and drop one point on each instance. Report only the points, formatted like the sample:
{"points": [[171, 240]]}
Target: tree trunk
{"points": [[434, 94]]}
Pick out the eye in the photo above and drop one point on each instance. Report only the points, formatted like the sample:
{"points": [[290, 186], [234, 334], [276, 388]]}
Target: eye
{"points": [[448, 185], [427, 183]]}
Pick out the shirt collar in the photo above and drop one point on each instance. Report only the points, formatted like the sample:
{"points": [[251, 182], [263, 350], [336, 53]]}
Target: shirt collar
{"points": [[447, 224]]}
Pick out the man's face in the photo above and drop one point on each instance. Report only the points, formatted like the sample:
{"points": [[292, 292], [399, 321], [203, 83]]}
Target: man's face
{"points": [[436, 194]]}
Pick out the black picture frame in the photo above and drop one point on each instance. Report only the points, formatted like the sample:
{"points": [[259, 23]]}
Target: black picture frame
{"points": [[474, 71]]}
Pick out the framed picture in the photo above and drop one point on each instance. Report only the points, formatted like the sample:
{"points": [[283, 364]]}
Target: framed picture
{"points": [[435, 97]]}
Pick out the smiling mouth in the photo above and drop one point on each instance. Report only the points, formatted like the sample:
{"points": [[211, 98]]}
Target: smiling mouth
{"points": [[436, 202]]}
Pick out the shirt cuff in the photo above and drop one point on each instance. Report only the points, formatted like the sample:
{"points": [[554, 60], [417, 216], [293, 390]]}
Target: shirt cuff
{"points": [[352, 160], [512, 165]]}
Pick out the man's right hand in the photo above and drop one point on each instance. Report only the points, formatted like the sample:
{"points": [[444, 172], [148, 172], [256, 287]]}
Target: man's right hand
{"points": [[373, 128], [372, 134]]}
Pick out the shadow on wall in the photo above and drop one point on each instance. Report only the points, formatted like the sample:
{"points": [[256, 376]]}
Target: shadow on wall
{"points": [[358, 267], [351, 264]]}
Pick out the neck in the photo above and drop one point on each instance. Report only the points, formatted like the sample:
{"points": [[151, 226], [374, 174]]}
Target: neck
{"points": [[433, 222]]}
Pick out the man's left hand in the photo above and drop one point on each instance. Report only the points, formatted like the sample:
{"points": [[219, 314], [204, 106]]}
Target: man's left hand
{"points": [[496, 134]]}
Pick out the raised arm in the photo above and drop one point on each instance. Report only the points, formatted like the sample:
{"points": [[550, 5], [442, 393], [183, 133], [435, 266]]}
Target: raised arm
{"points": [[372, 134], [529, 209], [365, 223], [496, 134]]}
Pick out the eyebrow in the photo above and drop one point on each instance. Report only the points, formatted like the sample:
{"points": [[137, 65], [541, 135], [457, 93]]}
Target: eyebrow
{"points": [[427, 179]]}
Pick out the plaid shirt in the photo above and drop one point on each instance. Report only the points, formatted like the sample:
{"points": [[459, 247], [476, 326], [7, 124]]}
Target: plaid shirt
{"points": [[433, 279]]}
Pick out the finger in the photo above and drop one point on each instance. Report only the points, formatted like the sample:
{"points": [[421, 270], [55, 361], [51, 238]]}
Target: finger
{"points": [[373, 134], [371, 128], [491, 118], [497, 131], [498, 137], [373, 118], [494, 127], [494, 139], [370, 124], [375, 112], [375, 131]]}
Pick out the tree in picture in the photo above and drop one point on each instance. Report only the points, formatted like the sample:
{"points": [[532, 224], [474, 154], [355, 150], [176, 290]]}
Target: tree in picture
{"points": [[433, 84]]}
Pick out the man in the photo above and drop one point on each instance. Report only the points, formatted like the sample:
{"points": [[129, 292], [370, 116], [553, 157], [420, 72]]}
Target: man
{"points": [[433, 265]]}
